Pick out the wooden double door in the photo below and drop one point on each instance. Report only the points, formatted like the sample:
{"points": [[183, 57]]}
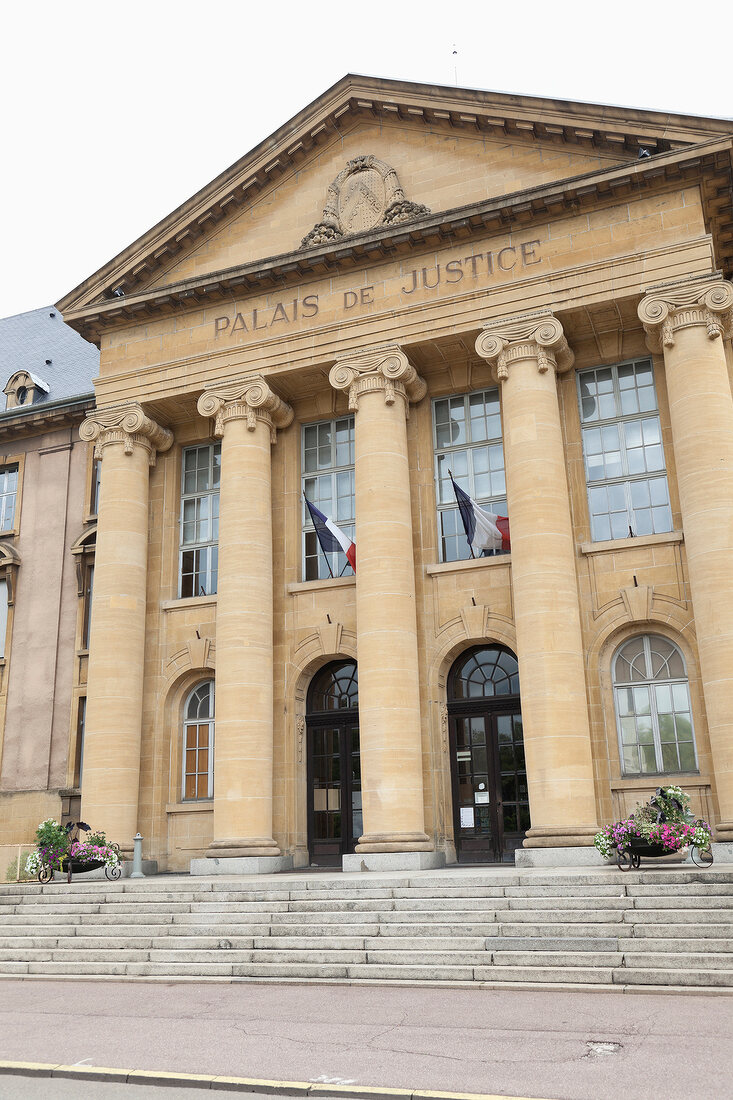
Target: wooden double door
{"points": [[490, 798]]}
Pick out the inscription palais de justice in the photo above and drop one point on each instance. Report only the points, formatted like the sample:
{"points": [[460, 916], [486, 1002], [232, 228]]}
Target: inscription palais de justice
{"points": [[479, 265]]}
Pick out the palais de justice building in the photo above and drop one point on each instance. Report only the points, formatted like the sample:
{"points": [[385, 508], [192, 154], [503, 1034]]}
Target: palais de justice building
{"points": [[402, 281]]}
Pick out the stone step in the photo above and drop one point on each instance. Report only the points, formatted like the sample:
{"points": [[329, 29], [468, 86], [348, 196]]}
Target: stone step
{"points": [[680, 916], [632, 975], [703, 930], [588, 975], [688, 960], [573, 959], [559, 928], [574, 944]]}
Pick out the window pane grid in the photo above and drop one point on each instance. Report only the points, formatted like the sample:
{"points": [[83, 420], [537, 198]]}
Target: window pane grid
{"points": [[199, 556], [198, 744], [8, 493], [654, 717], [328, 482], [628, 493], [468, 443]]}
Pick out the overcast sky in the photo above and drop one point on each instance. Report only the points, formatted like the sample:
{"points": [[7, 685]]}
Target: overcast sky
{"points": [[114, 114]]}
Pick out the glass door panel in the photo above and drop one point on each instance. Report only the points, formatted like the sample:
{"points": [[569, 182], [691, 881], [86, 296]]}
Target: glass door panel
{"points": [[491, 802], [476, 820], [334, 791]]}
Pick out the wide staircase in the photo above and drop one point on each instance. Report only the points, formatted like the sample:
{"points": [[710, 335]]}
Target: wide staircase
{"points": [[652, 928]]}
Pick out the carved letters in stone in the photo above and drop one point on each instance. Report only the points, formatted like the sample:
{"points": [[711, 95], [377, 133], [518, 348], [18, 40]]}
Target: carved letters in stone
{"points": [[364, 195]]}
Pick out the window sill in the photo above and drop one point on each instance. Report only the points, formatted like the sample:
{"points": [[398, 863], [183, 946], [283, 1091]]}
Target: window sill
{"points": [[187, 601], [204, 806], [631, 543], [468, 563], [327, 582], [639, 782]]}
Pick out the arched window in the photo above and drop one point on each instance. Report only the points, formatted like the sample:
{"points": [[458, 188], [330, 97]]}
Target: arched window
{"points": [[653, 712], [198, 743], [483, 673], [335, 687]]}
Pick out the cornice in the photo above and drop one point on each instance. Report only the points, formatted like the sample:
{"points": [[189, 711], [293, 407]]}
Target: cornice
{"points": [[519, 208], [43, 418], [355, 97]]}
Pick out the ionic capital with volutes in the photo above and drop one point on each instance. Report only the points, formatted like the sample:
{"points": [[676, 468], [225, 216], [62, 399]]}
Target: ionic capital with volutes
{"points": [[386, 369], [249, 398], [693, 303], [537, 336], [127, 424]]}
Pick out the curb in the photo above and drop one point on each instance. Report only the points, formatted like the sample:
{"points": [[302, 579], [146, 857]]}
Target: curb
{"points": [[238, 1084]]}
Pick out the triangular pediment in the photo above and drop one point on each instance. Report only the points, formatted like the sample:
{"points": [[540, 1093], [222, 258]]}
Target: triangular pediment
{"points": [[448, 148]]}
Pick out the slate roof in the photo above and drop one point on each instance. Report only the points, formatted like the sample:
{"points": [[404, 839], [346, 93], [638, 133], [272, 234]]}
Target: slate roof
{"points": [[40, 343]]}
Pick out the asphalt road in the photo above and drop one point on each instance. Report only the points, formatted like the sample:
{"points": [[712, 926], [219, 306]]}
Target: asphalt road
{"points": [[555, 1045]]}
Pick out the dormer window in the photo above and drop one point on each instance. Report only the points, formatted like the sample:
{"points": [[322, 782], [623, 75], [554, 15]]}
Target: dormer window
{"points": [[23, 388]]}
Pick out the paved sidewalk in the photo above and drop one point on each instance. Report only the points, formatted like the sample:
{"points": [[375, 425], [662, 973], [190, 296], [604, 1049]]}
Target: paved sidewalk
{"points": [[559, 1045]]}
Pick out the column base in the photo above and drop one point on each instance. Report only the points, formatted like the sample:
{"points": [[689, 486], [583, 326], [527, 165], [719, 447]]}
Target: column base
{"points": [[561, 856], [243, 847], [241, 865], [393, 861], [724, 831], [394, 842], [560, 836]]}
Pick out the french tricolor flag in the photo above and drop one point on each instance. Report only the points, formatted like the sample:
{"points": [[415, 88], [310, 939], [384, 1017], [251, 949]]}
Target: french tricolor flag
{"points": [[484, 530], [331, 537]]}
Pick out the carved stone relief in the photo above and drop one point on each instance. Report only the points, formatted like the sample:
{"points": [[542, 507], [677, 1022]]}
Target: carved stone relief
{"points": [[364, 195]]}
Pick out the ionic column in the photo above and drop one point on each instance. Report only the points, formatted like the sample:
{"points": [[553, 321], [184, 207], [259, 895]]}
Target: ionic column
{"points": [[689, 321], [527, 352], [381, 384], [126, 442], [247, 414]]}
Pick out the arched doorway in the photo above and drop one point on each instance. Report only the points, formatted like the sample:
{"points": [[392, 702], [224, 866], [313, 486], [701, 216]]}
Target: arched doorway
{"points": [[489, 777], [334, 768]]}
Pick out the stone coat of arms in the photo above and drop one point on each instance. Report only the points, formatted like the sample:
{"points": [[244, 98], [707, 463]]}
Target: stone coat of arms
{"points": [[365, 194]]}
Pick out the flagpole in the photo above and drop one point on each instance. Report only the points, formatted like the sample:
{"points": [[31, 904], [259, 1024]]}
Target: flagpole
{"points": [[325, 555]]}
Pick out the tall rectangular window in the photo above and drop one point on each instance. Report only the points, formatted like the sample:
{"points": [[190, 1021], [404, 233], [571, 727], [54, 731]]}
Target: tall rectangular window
{"points": [[8, 494], [201, 476], [625, 471], [96, 482], [468, 443], [328, 482], [88, 594], [79, 754]]}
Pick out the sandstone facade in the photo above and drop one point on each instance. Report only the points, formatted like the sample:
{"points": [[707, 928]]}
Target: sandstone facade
{"points": [[393, 247]]}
